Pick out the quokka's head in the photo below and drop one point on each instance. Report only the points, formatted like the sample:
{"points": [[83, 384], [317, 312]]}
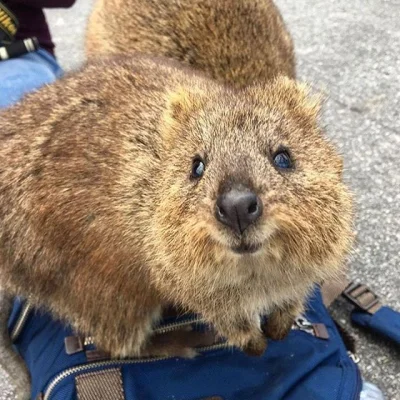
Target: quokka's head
{"points": [[248, 175]]}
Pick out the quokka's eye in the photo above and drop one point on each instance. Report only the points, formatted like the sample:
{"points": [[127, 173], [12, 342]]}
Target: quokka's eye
{"points": [[282, 159], [198, 168]]}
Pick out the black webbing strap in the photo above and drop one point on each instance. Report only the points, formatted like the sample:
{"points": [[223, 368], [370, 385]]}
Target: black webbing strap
{"points": [[8, 24]]}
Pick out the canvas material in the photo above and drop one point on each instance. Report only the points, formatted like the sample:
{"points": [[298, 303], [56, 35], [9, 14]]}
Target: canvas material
{"points": [[301, 366]]}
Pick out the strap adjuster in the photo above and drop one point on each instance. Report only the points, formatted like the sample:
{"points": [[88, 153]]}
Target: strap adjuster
{"points": [[363, 297]]}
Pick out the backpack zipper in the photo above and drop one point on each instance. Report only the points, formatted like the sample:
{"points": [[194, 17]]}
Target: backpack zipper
{"points": [[89, 340], [315, 329], [84, 368], [27, 308], [176, 325], [19, 325], [302, 324]]}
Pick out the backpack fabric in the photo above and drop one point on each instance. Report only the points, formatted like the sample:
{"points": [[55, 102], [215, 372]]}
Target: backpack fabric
{"points": [[311, 363]]}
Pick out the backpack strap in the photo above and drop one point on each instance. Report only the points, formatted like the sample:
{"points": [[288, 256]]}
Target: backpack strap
{"points": [[368, 312], [333, 289]]}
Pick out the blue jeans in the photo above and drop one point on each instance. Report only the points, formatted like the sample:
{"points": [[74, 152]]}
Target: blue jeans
{"points": [[27, 73]]}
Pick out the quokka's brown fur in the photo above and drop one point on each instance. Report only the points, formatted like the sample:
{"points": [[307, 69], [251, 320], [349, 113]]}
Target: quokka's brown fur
{"points": [[233, 41], [102, 223]]}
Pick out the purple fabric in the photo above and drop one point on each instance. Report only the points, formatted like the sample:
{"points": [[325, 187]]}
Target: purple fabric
{"points": [[32, 21]]}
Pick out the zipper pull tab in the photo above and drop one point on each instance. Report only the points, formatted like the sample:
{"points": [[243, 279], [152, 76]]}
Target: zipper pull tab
{"points": [[320, 331], [304, 325], [316, 329], [354, 357], [96, 355], [73, 344]]}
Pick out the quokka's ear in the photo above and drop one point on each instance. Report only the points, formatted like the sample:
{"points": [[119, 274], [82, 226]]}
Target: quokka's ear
{"points": [[300, 96], [290, 97], [182, 104]]}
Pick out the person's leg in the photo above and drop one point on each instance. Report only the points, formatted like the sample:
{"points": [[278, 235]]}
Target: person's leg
{"points": [[371, 392], [25, 74]]}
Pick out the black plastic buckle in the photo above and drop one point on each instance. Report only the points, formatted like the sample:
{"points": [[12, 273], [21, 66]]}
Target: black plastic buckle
{"points": [[360, 296], [18, 48]]}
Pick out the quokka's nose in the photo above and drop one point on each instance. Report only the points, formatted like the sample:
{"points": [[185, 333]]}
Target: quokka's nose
{"points": [[238, 209]]}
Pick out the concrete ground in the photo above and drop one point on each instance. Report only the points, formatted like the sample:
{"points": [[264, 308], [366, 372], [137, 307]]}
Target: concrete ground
{"points": [[350, 51]]}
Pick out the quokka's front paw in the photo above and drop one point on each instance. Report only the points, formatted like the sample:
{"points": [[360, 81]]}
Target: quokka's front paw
{"points": [[279, 323], [251, 341], [256, 347], [276, 331]]}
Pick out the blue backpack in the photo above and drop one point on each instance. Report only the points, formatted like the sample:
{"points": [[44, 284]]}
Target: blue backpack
{"points": [[311, 363]]}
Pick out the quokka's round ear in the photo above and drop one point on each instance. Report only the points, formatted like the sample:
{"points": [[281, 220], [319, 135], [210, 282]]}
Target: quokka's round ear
{"points": [[300, 96], [182, 104], [290, 97]]}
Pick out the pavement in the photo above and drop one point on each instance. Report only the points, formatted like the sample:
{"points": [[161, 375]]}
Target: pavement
{"points": [[351, 52]]}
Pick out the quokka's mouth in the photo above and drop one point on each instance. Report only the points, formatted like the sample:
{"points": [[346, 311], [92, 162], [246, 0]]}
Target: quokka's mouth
{"points": [[245, 248]]}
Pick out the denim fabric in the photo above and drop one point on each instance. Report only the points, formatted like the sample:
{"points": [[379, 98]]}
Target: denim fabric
{"points": [[371, 392], [27, 73]]}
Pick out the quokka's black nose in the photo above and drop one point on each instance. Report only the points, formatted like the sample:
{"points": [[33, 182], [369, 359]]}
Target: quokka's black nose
{"points": [[238, 209]]}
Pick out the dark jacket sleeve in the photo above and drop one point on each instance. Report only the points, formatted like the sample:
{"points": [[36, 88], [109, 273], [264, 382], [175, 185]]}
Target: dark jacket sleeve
{"points": [[45, 3]]}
